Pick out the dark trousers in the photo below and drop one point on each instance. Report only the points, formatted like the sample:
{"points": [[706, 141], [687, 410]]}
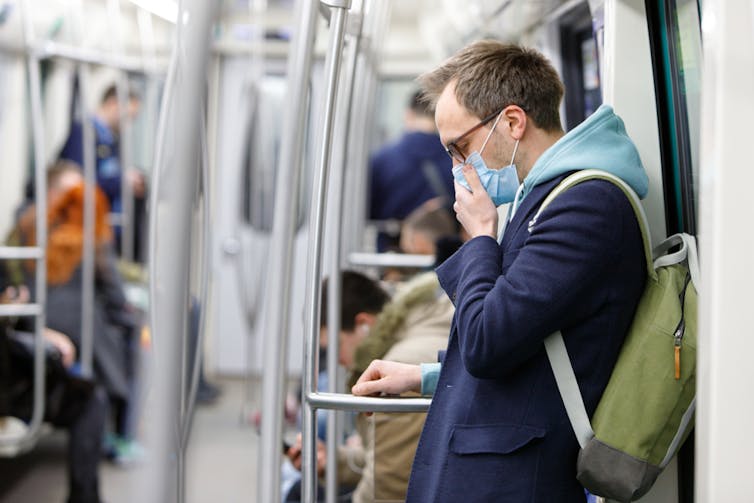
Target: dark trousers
{"points": [[84, 446]]}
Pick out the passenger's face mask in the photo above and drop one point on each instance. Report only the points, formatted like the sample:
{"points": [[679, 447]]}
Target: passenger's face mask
{"points": [[500, 184]]}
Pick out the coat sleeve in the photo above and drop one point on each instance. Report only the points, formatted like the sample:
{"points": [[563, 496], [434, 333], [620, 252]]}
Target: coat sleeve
{"points": [[502, 319]]}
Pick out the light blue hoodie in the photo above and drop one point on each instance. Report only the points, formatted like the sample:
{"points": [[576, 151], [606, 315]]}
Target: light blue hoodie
{"points": [[600, 142]]}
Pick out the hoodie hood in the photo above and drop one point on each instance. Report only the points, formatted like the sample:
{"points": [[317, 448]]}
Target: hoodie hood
{"points": [[600, 142]]}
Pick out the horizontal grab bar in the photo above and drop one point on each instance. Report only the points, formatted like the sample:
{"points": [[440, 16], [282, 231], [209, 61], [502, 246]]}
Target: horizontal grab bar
{"points": [[20, 310], [343, 401], [18, 252], [390, 259]]}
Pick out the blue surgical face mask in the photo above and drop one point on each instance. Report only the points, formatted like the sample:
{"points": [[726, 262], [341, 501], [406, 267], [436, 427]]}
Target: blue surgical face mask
{"points": [[500, 184]]}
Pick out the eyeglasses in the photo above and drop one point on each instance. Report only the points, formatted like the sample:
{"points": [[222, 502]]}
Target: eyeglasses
{"points": [[454, 151]]}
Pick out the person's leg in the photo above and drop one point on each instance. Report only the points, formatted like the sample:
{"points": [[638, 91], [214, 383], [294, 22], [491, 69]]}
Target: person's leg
{"points": [[84, 441]]}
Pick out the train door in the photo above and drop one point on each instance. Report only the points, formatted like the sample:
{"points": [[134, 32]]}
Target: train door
{"points": [[247, 136]]}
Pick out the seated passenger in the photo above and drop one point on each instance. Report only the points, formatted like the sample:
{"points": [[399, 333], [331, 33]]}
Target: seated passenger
{"points": [[70, 402], [115, 322], [431, 230], [427, 230], [410, 328]]}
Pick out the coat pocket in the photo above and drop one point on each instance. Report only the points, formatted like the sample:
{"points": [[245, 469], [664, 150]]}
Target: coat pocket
{"points": [[496, 463], [492, 438]]}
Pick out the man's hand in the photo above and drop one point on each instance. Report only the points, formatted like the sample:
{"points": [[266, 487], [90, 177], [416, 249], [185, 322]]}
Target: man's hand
{"points": [[294, 454], [137, 181], [474, 209], [388, 378]]}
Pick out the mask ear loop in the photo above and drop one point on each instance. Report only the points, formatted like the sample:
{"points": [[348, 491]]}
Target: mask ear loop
{"points": [[489, 135], [515, 149]]}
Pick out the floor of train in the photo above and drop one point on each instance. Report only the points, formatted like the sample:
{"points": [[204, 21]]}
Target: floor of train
{"points": [[221, 458]]}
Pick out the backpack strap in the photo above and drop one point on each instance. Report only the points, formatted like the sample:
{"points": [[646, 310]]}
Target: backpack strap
{"points": [[568, 386], [596, 174]]}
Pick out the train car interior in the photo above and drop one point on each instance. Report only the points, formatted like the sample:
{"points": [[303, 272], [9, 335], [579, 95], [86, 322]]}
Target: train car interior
{"points": [[167, 320]]}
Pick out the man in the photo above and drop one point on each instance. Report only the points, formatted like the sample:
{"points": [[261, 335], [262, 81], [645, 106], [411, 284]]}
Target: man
{"points": [[405, 174], [411, 327], [106, 122], [497, 429]]}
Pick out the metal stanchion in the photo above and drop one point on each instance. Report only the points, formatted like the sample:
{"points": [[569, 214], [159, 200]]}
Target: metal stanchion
{"points": [[316, 230], [170, 223], [281, 252]]}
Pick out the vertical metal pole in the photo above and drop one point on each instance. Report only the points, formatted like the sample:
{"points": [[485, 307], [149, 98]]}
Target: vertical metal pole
{"points": [[316, 228], [335, 294], [40, 201], [89, 147], [375, 23], [171, 222], [281, 252], [124, 100], [206, 239]]}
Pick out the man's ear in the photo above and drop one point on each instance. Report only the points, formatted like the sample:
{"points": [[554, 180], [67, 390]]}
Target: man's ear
{"points": [[364, 319], [516, 119]]}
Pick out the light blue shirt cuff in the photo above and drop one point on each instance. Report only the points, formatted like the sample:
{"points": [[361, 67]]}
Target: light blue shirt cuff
{"points": [[430, 375]]}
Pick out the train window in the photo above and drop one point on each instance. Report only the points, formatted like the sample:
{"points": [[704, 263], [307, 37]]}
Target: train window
{"points": [[675, 36], [392, 100], [580, 66], [263, 134]]}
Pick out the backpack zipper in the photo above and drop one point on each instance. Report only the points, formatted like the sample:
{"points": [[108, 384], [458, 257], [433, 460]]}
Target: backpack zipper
{"points": [[680, 330]]}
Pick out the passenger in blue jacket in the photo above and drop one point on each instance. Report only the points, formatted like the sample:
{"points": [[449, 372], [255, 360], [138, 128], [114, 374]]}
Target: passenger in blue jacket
{"points": [[407, 173], [497, 429]]}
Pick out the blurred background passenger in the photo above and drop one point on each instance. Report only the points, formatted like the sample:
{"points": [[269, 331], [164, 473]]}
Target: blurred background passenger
{"points": [[116, 323], [106, 122], [431, 230], [70, 402], [408, 172], [411, 328]]}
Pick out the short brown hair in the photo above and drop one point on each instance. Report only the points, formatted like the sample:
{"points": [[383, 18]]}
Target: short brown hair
{"points": [[490, 75]]}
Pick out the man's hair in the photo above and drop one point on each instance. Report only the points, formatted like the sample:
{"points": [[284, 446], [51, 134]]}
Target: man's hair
{"points": [[420, 105], [490, 75], [360, 294], [112, 93], [433, 221]]}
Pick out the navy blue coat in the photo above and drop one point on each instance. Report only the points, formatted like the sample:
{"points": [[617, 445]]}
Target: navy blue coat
{"points": [[497, 429]]}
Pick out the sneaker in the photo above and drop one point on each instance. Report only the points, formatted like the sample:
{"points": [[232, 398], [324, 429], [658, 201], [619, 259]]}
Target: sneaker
{"points": [[128, 452], [122, 451]]}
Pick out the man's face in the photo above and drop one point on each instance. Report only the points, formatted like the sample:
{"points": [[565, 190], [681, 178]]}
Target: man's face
{"points": [[454, 120], [348, 341]]}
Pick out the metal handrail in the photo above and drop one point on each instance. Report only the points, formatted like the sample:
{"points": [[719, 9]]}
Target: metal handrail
{"points": [[203, 289], [171, 221], [390, 259], [21, 310], [21, 252], [316, 230], [375, 24], [335, 231], [343, 401], [123, 96], [89, 147], [49, 49], [40, 201], [281, 251]]}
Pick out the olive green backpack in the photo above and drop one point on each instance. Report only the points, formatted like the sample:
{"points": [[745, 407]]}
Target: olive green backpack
{"points": [[647, 408]]}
